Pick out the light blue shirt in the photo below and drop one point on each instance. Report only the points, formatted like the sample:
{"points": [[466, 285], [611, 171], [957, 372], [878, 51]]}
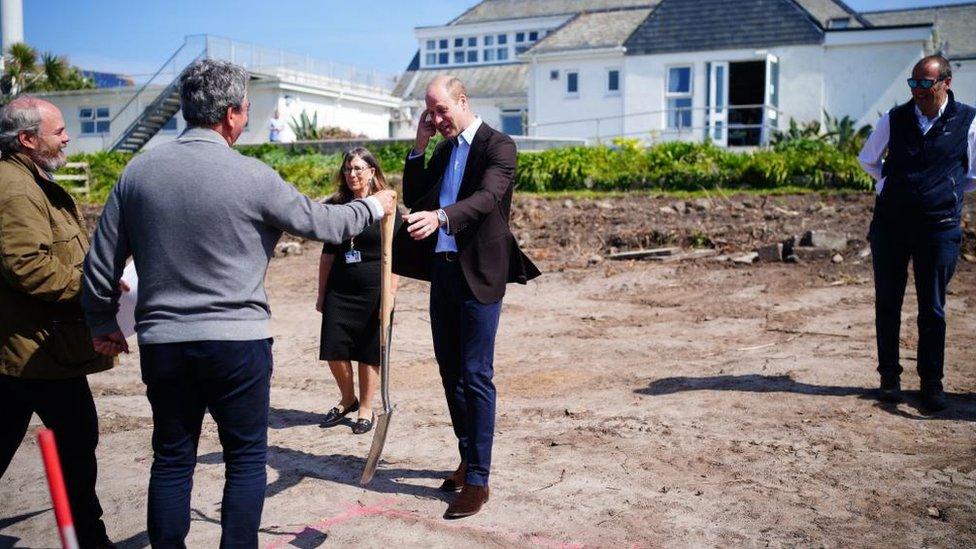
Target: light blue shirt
{"points": [[452, 182]]}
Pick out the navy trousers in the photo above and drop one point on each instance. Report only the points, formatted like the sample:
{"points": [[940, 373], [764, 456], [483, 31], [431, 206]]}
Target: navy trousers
{"points": [[67, 408], [464, 343], [933, 253], [183, 380]]}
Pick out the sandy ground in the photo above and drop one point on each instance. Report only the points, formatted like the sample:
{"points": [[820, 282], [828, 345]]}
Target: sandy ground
{"points": [[640, 404]]}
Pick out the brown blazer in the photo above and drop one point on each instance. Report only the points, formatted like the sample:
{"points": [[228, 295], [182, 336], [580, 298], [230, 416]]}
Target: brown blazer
{"points": [[487, 250]]}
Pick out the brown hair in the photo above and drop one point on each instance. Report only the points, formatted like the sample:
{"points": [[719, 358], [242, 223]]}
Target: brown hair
{"points": [[378, 183]]}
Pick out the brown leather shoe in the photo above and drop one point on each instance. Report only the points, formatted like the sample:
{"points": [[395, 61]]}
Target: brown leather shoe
{"points": [[455, 482], [468, 502]]}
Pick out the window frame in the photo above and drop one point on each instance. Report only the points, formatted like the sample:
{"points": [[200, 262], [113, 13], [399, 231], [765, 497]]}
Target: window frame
{"points": [[95, 119], [613, 92], [570, 73], [670, 96]]}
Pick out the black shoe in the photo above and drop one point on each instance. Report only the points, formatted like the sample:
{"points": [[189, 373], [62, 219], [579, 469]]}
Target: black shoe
{"points": [[890, 390], [334, 417], [934, 400], [362, 426]]}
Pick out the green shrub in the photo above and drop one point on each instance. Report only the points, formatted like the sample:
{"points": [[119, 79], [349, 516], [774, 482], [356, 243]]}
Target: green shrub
{"points": [[624, 165]]}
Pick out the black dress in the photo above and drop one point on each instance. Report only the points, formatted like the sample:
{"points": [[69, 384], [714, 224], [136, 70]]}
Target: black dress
{"points": [[350, 311]]}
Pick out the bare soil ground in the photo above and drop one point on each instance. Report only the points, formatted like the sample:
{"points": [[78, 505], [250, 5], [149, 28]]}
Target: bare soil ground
{"points": [[688, 404]]}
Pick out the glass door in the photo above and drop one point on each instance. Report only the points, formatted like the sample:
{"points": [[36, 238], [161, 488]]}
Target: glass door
{"points": [[718, 103], [771, 99]]}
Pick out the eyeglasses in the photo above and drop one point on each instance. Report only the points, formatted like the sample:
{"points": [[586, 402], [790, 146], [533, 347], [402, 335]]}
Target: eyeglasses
{"points": [[924, 83], [356, 170]]}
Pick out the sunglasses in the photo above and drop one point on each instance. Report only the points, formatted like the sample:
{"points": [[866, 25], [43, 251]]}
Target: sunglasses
{"points": [[924, 83]]}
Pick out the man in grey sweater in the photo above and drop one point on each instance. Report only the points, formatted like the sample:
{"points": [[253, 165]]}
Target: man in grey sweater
{"points": [[201, 222]]}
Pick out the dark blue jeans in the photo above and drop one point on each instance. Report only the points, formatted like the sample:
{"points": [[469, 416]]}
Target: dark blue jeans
{"points": [[933, 253], [464, 343], [231, 379]]}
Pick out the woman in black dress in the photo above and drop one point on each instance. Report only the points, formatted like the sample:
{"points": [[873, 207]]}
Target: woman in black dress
{"points": [[349, 297]]}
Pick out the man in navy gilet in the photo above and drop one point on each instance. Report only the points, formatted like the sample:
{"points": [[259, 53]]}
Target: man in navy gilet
{"points": [[931, 142]]}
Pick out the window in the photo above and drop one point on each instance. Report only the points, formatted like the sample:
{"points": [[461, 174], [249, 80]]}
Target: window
{"points": [[472, 41], [553, 75], [502, 39], [431, 44], [521, 49], [458, 57], [442, 58], [490, 40], [572, 83], [533, 36], [512, 121], [442, 44], [613, 80], [489, 55], [458, 42], [431, 59], [472, 56], [678, 95], [519, 37], [170, 125], [502, 54], [94, 120], [839, 23]]}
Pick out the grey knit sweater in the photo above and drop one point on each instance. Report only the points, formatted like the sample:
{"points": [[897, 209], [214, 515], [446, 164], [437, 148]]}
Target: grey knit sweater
{"points": [[201, 222]]}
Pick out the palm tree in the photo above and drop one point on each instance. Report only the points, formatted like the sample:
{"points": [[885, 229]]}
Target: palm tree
{"points": [[22, 74]]}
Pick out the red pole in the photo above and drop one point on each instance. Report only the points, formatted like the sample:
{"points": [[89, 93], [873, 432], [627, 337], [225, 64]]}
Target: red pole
{"points": [[59, 495]]}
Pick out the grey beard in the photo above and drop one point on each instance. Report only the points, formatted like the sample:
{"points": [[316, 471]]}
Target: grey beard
{"points": [[51, 163]]}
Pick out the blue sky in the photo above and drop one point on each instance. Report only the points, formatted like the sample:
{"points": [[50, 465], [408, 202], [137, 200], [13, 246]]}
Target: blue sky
{"points": [[137, 36]]}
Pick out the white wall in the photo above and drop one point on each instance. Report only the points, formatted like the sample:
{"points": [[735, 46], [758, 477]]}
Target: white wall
{"points": [[856, 80], [365, 115], [964, 81], [864, 81], [800, 94], [593, 113]]}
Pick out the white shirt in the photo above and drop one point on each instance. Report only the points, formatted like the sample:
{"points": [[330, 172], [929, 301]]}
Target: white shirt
{"points": [[874, 148]]}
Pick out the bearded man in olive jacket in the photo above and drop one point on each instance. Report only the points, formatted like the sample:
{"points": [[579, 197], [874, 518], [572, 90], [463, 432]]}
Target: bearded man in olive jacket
{"points": [[46, 350]]}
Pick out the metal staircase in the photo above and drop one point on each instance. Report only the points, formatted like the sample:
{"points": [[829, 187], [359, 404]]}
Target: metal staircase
{"points": [[157, 101]]}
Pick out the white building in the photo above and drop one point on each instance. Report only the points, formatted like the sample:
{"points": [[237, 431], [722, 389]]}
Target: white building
{"points": [[732, 70], [130, 118]]}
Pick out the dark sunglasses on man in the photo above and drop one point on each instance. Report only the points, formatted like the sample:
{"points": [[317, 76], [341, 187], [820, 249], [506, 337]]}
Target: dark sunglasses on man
{"points": [[924, 83]]}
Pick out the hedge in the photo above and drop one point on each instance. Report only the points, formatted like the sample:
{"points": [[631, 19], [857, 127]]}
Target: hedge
{"points": [[623, 165]]}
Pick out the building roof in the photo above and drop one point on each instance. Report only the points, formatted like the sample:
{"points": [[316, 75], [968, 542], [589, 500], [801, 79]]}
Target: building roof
{"points": [[825, 10], [494, 10], [587, 30], [954, 25], [698, 25], [510, 80]]}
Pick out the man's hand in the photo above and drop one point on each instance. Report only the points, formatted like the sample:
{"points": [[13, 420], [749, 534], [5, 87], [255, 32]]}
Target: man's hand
{"points": [[388, 199], [124, 286], [111, 344], [421, 224], [320, 303], [425, 131]]}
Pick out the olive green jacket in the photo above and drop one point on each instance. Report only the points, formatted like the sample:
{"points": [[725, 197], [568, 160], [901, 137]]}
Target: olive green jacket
{"points": [[43, 241]]}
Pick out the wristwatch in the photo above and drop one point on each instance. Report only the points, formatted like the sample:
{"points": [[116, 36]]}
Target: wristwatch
{"points": [[442, 218]]}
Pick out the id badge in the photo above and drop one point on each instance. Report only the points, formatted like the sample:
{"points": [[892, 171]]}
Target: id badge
{"points": [[353, 256]]}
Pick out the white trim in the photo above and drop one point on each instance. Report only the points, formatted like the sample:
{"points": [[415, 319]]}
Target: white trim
{"points": [[581, 53], [877, 36], [488, 27]]}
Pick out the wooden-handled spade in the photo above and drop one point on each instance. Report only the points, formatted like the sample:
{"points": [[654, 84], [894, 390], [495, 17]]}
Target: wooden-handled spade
{"points": [[386, 334]]}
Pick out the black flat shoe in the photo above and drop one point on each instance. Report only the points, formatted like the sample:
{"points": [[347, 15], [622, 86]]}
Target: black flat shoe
{"points": [[362, 426], [334, 417]]}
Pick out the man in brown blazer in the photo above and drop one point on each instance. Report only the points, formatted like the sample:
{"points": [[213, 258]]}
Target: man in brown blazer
{"points": [[46, 350], [457, 237]]}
